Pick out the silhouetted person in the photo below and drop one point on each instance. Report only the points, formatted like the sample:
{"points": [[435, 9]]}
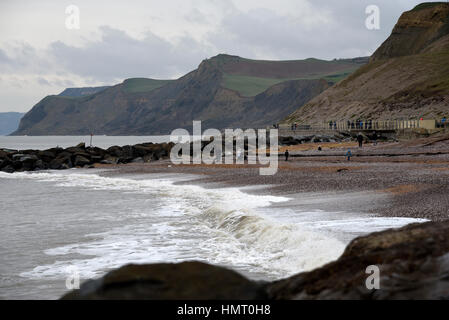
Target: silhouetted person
{"points": [[286, 155], [348, 154], [375, 138], [360, 139]]}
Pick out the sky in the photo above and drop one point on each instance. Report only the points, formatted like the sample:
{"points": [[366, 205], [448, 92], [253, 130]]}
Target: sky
{"points": [[43, 49]]}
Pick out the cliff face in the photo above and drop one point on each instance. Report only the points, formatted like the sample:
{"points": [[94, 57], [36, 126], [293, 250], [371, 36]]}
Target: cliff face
{"points": [[415, 31], [79, 92], [224, 92], [407, 77]]}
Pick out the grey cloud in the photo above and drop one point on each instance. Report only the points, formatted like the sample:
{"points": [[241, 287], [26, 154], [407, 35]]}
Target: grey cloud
{"points": [[118, 55], [257, 33], [264, 33], [43, 81], [4, 59], [23, 58]]}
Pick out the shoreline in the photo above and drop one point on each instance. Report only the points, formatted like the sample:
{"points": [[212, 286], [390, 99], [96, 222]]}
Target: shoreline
{"points": [[403, 185]]}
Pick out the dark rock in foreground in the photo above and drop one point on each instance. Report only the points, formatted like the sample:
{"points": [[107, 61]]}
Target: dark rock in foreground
{"points": [[80, 156], [413, 263], [187, 280]]}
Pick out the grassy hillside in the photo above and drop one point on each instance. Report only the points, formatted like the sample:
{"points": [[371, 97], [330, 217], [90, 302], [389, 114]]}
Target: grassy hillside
{"points": [[252, 77], [249, 86]]}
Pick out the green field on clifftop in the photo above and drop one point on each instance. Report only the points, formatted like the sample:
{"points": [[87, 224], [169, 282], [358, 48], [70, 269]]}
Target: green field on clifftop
{"points": [[248, 86]]}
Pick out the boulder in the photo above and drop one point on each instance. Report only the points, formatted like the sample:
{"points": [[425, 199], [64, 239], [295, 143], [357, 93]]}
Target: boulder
{"points": [[95, 151], [75, 150], [8, 169], [4, 154], [29, 151], [81, 161], [143, 150], [28, 158], [96, 159], [40, 165], [46, 155], [28, 162], [148, 158], [65, 166], [17, 165], [413, 262], [115, 151], [138, 160], [82, 154], [129, 152], [186, 280], [61, 163], [17, 156], [63, 155], [109, 160], [56, 150], [5, 162]]}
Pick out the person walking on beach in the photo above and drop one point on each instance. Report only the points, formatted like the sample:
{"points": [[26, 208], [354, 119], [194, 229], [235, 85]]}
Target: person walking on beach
{"points": [[348, 154], [286, 155], [375, 138], [360, 139]]}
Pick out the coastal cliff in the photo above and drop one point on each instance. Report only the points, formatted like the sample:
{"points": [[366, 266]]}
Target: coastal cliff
{"points": [[223, 92], [406, 78]]}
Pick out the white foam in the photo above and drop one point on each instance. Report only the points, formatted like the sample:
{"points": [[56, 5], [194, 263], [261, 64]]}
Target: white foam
{"points": [[222, 226]]}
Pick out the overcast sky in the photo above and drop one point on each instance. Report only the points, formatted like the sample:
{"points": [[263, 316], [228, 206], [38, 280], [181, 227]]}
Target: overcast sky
{"points": [[116, 40]]}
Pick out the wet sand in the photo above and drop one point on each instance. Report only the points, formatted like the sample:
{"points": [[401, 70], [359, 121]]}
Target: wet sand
{"points": [[400, 179]]}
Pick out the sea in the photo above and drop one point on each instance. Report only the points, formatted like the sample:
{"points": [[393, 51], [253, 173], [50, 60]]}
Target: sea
{"points": [[54, 224]]}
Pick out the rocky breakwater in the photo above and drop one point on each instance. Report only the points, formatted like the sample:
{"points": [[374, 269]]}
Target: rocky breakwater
{"points": [[413, 263], [80, 156]]}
